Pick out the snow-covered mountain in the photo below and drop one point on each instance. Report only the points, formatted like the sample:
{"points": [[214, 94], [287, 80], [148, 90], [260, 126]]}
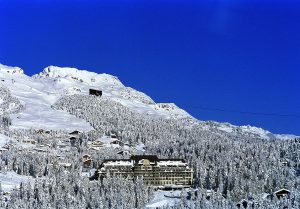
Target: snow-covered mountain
{"points": [[40, 151], [39, 92], [31, 98]]}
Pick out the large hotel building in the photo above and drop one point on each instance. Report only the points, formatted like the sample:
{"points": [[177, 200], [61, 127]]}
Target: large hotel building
{"points": [[153, 171]]}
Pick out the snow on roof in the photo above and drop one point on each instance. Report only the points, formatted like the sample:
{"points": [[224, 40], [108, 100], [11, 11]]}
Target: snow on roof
{"points": [[65, 164], [118, 163], [281, 190], [171, 163]]}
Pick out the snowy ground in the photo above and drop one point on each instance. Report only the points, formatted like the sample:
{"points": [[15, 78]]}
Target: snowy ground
{"points": [[11, 180], [79, 82], [3, 140], [166, 198], [37, 97]]}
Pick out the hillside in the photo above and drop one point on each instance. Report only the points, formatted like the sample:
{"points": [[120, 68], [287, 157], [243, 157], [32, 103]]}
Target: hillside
{"points": [[39, 113]]}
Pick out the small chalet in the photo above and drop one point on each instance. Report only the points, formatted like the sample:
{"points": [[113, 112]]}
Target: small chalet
{"points": [[75, 132], [115, 141], [45, 145], [66, 166], [40, 150], [2, 150], [97, 143], [72, 139], [42, 131], [29, 141], [8, 146], [86, 157], [62, 145], [123, 152], [282, 193], [87, 163], [113, 136], [95, 92]]}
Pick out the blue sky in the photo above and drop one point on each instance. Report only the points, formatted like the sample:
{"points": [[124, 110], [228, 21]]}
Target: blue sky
{"points": [[220, 60]]}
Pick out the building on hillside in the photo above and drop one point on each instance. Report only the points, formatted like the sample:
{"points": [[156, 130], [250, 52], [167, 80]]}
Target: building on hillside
{"points": [[282, 193], [62, 145], [113, 136], [115, 141], [123, 152], [2, 150], [155, 172], [87, 160], [29, 141], [74, 133], [95, 92]]}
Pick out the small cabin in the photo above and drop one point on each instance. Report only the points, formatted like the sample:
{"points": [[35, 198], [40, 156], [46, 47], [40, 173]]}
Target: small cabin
{"points": [[123, 152], [115, 141], [29, 141], [40, 150], [2, 150], [62, 145], [66, 166], [113, 136], [75, 132], [87, 163], [8, 146], [95, 92], [282, 193], [97, 143], [72, 139], [86, 157]]}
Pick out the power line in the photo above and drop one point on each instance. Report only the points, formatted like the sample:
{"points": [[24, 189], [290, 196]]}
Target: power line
{"points": [[242, 112]]}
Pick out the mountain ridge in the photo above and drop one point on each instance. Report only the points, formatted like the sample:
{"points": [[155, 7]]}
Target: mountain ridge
{"points": [[55, 82]]}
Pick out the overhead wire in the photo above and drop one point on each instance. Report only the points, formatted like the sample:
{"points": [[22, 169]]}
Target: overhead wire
{"points": [[241, 112]]}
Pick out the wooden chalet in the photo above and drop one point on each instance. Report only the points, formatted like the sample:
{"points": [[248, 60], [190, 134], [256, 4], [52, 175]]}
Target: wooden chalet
{"points": [[75, 132], [29, 141], [115, 141], [282, 193]]}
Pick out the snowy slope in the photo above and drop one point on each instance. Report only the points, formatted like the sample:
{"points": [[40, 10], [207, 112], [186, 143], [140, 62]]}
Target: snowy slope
{"points": [[37, 93], [3, 140], [36, 98], [165, 198], [74, 81], [11, 180]]}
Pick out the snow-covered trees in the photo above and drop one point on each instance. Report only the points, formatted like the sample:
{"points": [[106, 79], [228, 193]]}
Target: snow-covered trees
{"points": [[235, 165]]}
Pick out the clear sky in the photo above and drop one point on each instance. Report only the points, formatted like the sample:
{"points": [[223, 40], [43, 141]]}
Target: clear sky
{"points": [[220, 60]]}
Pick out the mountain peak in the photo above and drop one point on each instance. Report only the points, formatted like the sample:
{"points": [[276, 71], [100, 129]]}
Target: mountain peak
{"points": [[80, 75], [10, 70]]}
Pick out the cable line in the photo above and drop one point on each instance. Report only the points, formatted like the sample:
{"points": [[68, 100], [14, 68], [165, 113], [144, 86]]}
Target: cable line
{"points": [[242, 112]]}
